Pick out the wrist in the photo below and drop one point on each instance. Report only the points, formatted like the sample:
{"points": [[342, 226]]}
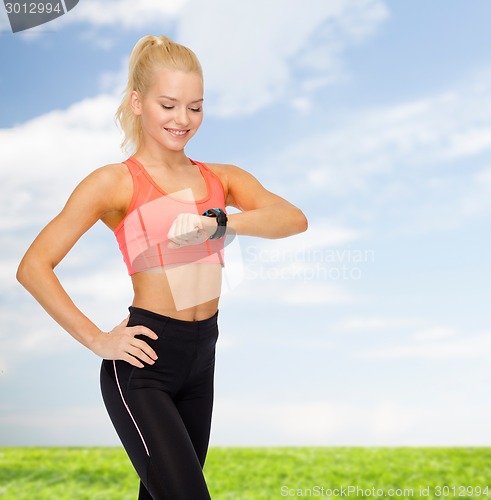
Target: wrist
{"points": [[221, 222], [95, 339]]}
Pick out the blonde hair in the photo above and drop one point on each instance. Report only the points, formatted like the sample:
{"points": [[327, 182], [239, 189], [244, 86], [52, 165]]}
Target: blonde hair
{"points": [[150, 53]]}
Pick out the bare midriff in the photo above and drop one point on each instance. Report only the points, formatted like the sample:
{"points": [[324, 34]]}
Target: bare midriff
{"points": [[187, 292]]}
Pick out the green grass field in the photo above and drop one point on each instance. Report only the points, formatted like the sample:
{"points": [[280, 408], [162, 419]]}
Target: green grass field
{"points": [[256, 473]]}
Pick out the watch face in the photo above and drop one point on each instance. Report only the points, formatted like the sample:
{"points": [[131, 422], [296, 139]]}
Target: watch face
{"points": [[214, 212]]}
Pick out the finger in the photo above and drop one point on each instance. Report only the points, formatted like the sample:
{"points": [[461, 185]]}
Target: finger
{"points": [[176, 240], [143, 330], [186, 226], [180, 225], [198, 223], [132, 361], [171, 234], [182, 233], [186, 229], [143, 346], [193, 236], [141, 355], [194, 226]]}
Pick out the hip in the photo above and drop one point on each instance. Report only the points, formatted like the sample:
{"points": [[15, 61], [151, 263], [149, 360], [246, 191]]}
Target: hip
{"points": [[185, 350]]}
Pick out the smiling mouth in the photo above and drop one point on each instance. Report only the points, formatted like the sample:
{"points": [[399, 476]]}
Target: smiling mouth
{"points": [[176, 132]]}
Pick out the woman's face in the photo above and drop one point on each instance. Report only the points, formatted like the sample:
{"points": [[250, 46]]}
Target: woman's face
{"points": [[171, 111]]}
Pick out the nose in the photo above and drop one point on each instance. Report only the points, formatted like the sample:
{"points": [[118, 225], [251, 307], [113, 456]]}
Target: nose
{"points": [[181, 117]]}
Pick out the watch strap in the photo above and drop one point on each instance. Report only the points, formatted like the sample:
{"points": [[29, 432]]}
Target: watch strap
{"points": [[222, 219]]}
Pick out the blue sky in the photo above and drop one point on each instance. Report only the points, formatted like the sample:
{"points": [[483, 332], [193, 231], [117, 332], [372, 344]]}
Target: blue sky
{"points": [[374, 117]]}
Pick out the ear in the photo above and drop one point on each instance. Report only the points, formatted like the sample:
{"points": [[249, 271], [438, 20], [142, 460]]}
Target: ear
{"points": [[135, 102]]}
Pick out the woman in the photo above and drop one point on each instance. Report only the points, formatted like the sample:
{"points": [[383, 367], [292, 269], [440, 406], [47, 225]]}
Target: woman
{"points": [[168, 213]]}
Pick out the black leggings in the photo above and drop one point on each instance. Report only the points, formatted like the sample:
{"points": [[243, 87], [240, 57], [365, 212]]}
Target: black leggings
{"points": [[162, 412]]}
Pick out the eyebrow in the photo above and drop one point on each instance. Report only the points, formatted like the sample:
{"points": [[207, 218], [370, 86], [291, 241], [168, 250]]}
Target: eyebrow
{"points": [[174, 99]]}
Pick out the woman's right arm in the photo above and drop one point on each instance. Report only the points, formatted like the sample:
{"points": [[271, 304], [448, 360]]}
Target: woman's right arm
{"points": [[95, 197]]}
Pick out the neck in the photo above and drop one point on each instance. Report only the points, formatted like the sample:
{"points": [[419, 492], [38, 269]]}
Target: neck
{"points": [[155, 155]]}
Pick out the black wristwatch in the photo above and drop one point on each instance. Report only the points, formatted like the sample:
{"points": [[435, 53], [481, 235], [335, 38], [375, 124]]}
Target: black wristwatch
{"points": [[221, 217]]}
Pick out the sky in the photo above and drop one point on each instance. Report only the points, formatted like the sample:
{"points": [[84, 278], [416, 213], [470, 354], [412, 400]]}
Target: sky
{"points": [[374, 117]]}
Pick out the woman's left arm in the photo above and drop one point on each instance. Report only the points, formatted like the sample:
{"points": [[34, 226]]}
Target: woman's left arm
{"points": [[263, 213]]}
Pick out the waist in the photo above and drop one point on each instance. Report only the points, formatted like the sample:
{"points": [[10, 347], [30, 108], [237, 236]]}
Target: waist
{"points": [[186, 292], [160, 322]]}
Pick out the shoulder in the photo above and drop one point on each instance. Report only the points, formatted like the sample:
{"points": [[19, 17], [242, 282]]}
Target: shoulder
{"points": [[223, 168], [107, 186], [109, 174], [241, 188], [106, 179], [227, 173]]}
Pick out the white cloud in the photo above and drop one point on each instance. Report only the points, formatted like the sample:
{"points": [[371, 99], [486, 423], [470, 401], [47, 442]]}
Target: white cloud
{"points": [[48, 155], [376, 323], [323, 233], [449, 421], [100, 284], [302, 104], [28, 333], [25, 335], [476, 200], [380, 142], [8, 267], [255, 52], [72, 426], [315, 294], [280, 49], [311, 268], [382, 422], [437, 343], [114, 82], [124, 14], [289, 285], [416, 167], [434, 333], [274, 50]]}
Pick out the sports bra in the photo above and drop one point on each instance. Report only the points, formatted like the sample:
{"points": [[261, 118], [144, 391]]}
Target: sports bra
{"points": [[142, 234]]}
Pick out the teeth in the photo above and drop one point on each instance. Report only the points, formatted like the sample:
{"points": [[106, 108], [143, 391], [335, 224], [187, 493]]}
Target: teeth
{"points": [[176, 132]]}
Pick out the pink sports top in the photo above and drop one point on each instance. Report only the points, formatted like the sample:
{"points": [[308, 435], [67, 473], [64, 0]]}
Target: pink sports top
{"points": [[142, 234]]}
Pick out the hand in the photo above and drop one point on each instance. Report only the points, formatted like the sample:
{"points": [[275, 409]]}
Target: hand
{"points": [[190, 229], [120, 343]]}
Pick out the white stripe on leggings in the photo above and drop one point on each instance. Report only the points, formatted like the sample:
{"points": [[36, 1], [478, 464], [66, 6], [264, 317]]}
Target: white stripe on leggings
{"points": [[134, 421]]}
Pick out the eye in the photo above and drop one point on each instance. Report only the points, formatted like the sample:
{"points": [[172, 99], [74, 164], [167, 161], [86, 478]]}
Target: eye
{"points": [[167, 107], [196, 110]]}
